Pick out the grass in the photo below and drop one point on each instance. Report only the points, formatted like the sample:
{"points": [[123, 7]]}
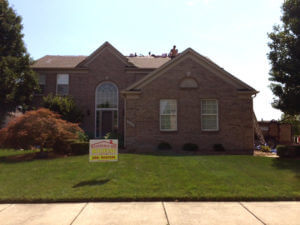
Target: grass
{"points": [[147, 177]]}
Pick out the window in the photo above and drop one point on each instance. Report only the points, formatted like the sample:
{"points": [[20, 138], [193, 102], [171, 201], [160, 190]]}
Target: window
{"points": [[168, 115], [42, 83], [209, 115], [62, 84], [107, 96]]}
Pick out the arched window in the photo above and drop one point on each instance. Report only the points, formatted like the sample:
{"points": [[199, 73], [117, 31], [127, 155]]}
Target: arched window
{"points": [[107, 98]]}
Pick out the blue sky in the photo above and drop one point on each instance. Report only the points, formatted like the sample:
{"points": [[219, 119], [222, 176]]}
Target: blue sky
{"points": [[232, 33]]}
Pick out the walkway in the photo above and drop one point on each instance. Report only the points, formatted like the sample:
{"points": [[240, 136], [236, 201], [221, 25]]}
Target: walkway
{"points": [[157, 213]]}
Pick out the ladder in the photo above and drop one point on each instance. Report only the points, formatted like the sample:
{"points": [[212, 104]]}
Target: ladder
{"points": [[257, 131]]}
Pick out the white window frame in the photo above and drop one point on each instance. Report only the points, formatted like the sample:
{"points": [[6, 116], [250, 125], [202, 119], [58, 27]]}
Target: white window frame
{"points": [[115, 109], [210, 114], [59, 74], [176, 128]]}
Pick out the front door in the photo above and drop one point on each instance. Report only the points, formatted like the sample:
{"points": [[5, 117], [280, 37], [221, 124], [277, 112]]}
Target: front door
{"points": [[107, 122]]}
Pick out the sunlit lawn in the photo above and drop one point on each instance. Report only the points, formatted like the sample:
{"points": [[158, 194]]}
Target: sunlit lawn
{"points": [[164, 176]]}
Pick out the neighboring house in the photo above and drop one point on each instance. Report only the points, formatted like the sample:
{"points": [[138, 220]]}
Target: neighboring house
{"points": [[187, 99], [276, 132]]}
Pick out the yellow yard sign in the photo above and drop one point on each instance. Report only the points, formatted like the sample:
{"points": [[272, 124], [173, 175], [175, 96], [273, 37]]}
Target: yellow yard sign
{"points": [[103, 150]]}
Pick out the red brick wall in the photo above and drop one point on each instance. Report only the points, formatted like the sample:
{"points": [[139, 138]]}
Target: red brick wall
{"points": [[82, 86], [235, 114]]}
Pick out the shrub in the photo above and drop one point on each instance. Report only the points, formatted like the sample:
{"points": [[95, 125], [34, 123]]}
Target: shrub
{"points": [[41, 128], [65, 106], [190, 147], [281, 150], [83, 137], [62, 147], [116, 135], [79, 148], [219, 148], [164, 146], [288, 151]]}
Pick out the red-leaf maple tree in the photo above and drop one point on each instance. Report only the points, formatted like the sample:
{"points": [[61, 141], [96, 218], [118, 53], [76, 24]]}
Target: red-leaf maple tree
{"points": [[40, 127]]}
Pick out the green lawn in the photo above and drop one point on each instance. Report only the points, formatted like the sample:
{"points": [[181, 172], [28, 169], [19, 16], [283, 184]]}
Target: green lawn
{"points": [[148, 177]]}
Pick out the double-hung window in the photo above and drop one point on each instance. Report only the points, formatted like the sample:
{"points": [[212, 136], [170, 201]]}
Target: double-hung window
{"points": [[42, 84], [62, 87], [209, 115], [168, 115]]}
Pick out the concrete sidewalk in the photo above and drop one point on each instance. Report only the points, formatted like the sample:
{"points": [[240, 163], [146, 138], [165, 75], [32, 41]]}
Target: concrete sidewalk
{"points": [[157, 213]]}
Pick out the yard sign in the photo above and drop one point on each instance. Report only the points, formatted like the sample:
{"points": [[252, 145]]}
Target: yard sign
{"points": [[103, 150]]}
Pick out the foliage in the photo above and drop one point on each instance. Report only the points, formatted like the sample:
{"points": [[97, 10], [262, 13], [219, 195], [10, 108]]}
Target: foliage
{"points": [[40, 127], [219, 148], [17, 81], [116, 135], [83, 137], [164, 146], [71, 147], [65, 106], [190, 147], [62, 146], [294, 121], [79, 148], [288, 150], [285, 59]]}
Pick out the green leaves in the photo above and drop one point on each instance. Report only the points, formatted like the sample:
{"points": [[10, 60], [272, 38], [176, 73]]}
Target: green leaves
{"points": [[285, 59], [65, 106], [17, 81]]}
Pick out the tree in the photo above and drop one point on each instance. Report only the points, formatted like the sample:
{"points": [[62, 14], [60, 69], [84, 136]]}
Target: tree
{"points": [[38, 128], [285, 59], [65, 106], [17, 81]]}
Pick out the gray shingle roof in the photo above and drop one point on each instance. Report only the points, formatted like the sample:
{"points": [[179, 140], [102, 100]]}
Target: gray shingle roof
{"points": [[56, 61], [148, 62]]}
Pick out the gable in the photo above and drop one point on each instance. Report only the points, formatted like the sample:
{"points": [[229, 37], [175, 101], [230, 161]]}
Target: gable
{"points": [[105, 47], [207, 64], [188, 78]]}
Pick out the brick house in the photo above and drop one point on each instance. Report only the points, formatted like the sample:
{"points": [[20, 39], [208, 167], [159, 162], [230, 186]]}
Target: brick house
{"points": [[154, 99]]}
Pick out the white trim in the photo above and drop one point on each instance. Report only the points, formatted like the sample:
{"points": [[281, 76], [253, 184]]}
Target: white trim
{"points": [[176, 129], [210, 114], [105, 109]]}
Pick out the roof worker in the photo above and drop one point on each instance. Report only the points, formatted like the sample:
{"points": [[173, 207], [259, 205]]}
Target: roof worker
{"points": [[173, 52]]}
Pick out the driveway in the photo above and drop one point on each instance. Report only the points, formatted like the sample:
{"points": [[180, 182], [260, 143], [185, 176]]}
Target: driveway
{"points": [[157, 213]]}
